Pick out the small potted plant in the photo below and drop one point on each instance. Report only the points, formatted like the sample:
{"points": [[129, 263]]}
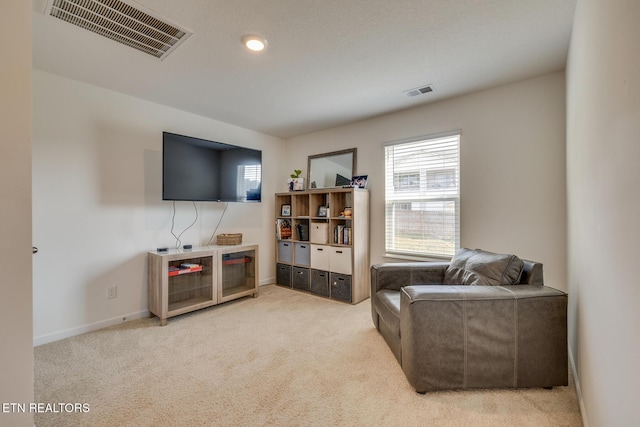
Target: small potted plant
{"points": [[296, 183]]}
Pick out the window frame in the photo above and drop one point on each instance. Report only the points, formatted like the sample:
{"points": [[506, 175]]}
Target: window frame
{"points": [[438, 184]]}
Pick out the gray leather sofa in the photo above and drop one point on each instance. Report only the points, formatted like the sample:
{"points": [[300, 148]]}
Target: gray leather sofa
{"points": [[484, 320]]}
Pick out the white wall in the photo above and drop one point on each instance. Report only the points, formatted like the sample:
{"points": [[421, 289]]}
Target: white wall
{"points": [[97, 201], [603, 151], [97, 208], [512, 166], [16, 326]]}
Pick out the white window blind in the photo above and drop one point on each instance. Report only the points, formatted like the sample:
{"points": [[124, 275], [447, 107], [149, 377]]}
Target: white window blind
{"points": [[422, 196]]}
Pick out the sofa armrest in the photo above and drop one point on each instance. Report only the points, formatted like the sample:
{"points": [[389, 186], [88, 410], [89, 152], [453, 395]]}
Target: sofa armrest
{"points": [[532, 273], [483, 336], [394, 276]]}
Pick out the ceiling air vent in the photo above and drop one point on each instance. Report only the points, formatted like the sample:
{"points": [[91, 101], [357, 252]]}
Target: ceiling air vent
{"points": [[419, 91], [123, 21]]}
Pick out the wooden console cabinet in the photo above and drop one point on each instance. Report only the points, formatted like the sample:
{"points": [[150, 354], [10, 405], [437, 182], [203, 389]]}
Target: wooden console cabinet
{"points": [[181, 281], [325, 250]]}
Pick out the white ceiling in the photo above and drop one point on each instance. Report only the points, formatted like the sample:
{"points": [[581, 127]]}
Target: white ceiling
{"points": [[329, 62]]}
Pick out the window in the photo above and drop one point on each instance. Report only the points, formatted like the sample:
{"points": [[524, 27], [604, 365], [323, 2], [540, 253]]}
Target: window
{"points": [[422, 196], [248, 183], [406, 181]]}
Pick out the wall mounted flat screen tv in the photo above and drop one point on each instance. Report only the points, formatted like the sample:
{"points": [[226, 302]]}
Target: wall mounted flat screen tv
{"points": [[195, 169]]}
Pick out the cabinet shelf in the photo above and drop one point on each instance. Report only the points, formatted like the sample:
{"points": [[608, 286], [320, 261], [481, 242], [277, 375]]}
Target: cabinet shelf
{"points": [[233, 290], [181, 271], [190, 304], [242, 260], [184, 289]]}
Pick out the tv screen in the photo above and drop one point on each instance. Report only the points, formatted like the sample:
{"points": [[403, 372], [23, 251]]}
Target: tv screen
{"points": [[195, 169]]}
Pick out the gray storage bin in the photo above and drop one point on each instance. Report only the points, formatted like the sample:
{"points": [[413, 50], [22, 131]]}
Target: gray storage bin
{"points": [[283, 275], [302, 254], [301, 278], [340, 287], [320, 282], [285, 251]]}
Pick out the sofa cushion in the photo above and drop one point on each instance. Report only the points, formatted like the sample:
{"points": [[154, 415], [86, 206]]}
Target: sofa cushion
{"points": [[482, 268], [387, 305]]}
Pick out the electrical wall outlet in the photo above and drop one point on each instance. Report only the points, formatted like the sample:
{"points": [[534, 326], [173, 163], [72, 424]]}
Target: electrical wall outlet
{"points": [[112, 292]]}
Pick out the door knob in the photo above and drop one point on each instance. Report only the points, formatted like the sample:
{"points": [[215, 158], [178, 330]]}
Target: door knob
{"points": [[35, 250]]}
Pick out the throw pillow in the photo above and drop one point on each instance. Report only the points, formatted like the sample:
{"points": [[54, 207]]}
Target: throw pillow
{"points": [[482, 268]]}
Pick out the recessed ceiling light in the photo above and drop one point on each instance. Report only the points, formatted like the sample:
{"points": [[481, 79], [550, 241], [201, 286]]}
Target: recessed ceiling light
{"points": [[253, 42]]}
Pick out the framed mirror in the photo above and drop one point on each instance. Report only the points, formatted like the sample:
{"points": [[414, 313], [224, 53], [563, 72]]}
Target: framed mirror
{"points": [[333, 169]]}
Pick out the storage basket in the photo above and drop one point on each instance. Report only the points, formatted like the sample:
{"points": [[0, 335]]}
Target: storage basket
{"points": [[230, 239]]}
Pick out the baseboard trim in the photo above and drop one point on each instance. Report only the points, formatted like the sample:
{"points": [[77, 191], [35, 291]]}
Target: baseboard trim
{"points": [[56, 336], [267, 281], [583, 412]]}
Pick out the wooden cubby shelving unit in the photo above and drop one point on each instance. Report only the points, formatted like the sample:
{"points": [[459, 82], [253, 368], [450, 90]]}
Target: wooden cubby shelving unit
{"points": [[327, 261]]}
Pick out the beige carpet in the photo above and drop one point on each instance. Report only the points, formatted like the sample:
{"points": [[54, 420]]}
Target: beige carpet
{"points": [[282, 359]]}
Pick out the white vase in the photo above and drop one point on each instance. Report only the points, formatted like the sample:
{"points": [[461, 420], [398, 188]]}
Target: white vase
{"points": [[296, 184]]}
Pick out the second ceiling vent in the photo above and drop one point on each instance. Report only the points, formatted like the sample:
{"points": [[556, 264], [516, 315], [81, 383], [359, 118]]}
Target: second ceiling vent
{"points": [[123, 21], [419, 91]]}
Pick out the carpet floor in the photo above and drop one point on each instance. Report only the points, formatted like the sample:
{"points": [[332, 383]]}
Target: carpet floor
{"points": [[283, 359]]}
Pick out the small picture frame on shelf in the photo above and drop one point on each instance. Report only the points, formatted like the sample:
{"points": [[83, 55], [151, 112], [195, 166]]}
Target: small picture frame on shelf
{"points": [[359, 181], [322, 211], [285, 210]]}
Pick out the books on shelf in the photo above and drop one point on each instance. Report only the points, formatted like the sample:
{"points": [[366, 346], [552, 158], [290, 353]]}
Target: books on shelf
{"points": [[342, 235], [283, 229], [233, 261], [184, 269]]}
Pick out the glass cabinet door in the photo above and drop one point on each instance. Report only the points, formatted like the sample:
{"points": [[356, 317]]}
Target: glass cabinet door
{"points": [[190, 282], [238, 272]]}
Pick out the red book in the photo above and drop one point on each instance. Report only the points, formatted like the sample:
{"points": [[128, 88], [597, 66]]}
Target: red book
{"points": [[176, 271]]}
